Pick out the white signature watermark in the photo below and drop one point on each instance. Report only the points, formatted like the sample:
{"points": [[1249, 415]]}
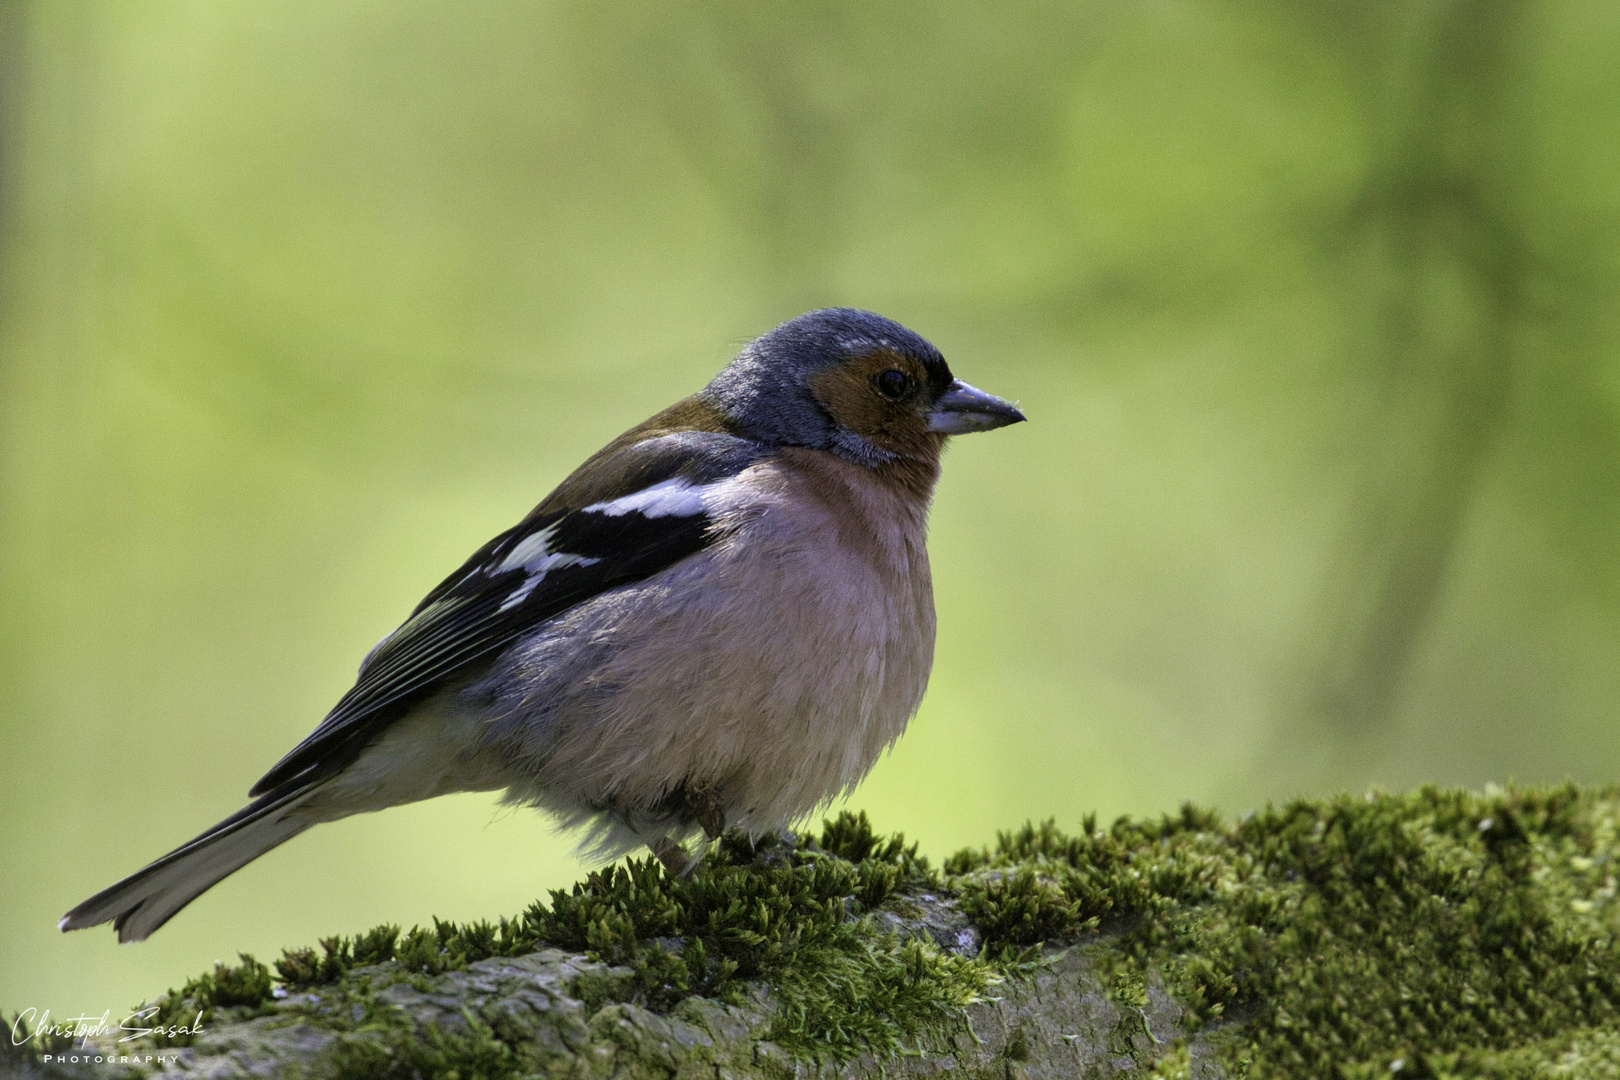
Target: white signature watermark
{"points": [[109, 1059], [82, 1029]]}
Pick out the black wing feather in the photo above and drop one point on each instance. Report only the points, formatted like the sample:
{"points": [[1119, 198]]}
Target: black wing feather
{"points": [[473, 612]]}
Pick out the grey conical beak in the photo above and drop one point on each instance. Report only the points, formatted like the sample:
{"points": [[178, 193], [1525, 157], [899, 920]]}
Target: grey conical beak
{"points": [[965, 408]]}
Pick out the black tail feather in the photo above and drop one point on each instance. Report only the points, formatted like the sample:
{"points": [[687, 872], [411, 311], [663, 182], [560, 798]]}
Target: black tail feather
{"points": [[151, 896]]}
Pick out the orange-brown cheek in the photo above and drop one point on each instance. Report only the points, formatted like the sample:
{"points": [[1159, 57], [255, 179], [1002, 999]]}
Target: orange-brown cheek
{"points": [[848, 394], [904, 432]]}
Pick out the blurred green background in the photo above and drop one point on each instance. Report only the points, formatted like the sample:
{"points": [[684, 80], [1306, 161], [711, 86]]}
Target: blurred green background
{"points": [[1312, 308]]}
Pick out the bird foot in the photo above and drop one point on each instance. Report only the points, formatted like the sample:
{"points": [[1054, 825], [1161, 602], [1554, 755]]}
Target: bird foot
{"points": [[771, 850]]}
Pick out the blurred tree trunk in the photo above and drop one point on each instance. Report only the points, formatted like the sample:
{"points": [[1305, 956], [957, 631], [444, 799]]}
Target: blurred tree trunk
{"points": [[1452, 266]]}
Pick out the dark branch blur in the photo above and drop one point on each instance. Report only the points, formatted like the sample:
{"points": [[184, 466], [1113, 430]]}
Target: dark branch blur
{"points": [[1442, 238]]}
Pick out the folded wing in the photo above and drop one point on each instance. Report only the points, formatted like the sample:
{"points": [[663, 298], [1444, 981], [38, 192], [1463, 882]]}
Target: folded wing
{"points": [[642, 509]]}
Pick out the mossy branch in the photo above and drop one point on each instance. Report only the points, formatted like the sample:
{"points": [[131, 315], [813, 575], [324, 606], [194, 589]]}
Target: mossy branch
{"points": [[1435, 934]]}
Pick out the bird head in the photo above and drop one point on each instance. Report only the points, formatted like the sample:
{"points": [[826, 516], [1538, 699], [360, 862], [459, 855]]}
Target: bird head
{"points": [[853, 383]]}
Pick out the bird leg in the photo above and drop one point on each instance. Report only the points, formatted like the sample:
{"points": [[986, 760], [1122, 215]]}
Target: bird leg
{"points": [[677, 863]]}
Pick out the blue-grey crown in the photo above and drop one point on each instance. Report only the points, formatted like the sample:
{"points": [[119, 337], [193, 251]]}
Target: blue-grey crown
{"points": [[766, 388]]}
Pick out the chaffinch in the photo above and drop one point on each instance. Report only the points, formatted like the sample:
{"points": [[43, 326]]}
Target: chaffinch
{"points": [[719, 620]]}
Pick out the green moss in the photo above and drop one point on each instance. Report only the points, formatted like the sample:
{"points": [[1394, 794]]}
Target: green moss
{"points": [[792, 919], [1434, 934], [1020, 908], [240, 989], [1443, 930], [794, 915], [24, 1046]]}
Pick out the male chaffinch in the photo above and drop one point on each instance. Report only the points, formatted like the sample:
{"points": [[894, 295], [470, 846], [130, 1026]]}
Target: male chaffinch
{"points": [[720, 620]]}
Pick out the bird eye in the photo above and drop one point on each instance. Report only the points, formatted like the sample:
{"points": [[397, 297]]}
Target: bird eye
{"points": [[892, 384]]}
